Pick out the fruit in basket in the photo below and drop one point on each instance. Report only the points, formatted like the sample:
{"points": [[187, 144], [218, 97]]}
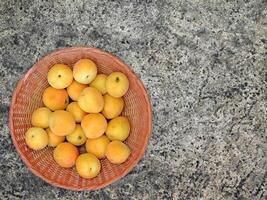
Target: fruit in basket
{"points": [[55, 99], [77, 137], [112, 106], [118, 128], [100, 83], [74, 90], [87, 165], [84, 71], [65, 154], [36, 138], [97, 146], [117, 84], [91, 100], [61, 122], [53, 139], [117, 152], [96, 98], [76, 111], [60, 76], [94, 125], [40, 117]]}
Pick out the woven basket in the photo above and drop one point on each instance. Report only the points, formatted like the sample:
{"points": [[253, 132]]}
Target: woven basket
{"points": [[28, 96]]}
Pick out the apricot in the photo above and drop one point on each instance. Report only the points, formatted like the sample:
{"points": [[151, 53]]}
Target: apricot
{"points": [[100, 83], [53, 139], [87, 165], [77, 137], [74, 90], [60, 76], [118, 128], [117, 84], [97, 146], [55, 99], [65, 154], [76, 111], [117, 152], [91, 100], [40, 117], [36, 138], [61, 123], [112, 106], [94, 125], [84, 71]]}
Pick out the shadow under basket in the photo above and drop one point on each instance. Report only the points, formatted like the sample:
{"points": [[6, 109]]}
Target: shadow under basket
{"points": [[28, 96]]}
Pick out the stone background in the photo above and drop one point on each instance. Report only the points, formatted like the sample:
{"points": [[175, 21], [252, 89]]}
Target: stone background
{"points": [[204, 63]]}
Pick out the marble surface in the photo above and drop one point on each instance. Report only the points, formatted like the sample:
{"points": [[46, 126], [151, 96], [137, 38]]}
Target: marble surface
{"points": [[204, 64]]}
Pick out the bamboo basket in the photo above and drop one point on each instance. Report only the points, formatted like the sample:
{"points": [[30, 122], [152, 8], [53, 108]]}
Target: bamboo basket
{"points": [[28, 96]]}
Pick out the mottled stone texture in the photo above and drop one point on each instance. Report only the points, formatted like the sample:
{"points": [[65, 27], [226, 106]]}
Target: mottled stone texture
{"points": [[204, 64]]}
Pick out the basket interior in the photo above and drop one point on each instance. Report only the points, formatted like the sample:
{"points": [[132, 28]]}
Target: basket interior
{"points": [[28, 97]]}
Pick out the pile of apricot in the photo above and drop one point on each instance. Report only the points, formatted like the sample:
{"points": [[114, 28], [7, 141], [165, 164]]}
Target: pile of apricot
{"points": [[82, 110]]}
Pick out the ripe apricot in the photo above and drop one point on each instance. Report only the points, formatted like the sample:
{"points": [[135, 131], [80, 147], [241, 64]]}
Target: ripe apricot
{"points": [[61, 123], [53, 139], [112, 106], [87, 165], [100, 83], [118, 128], [84, 71], [97, 146], [65, 154], [117, 84], [74, 90], [40, 117], [117, 152], [77, 137], [55, 99], [36, 138], [94, 125], [91, 100], [60, 76]]}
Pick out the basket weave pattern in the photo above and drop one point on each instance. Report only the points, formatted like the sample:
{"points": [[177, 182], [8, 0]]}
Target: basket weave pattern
{"points": [[28, 96]]}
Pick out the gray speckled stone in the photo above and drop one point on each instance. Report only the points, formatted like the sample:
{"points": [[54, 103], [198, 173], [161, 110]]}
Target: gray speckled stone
{"points": [[204, 64]]}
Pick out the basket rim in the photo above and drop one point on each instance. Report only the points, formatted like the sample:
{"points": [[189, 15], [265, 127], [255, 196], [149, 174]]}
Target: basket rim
{"points": [[24, 159]]}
